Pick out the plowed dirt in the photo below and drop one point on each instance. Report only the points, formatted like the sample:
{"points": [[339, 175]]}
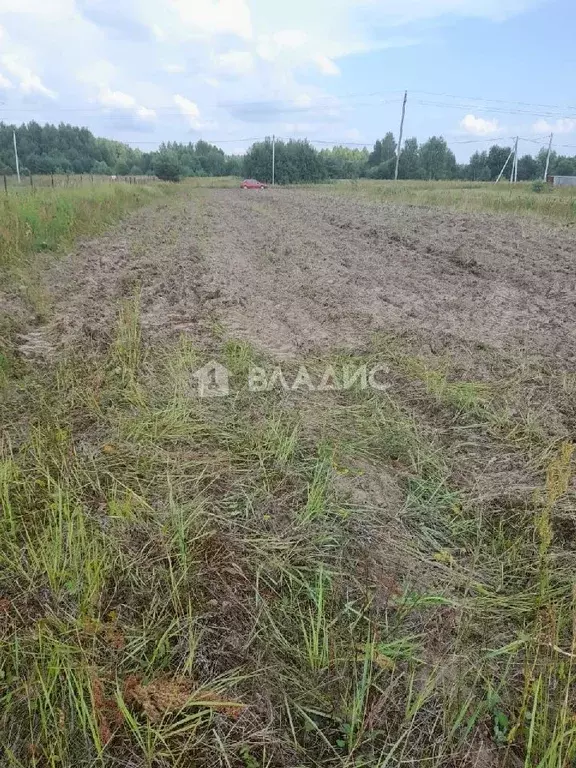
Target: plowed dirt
{"points": [[298, 270]]}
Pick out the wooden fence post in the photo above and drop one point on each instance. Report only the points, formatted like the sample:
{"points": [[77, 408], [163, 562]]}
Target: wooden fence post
{"points": [[5, 184], [31, 181], [52, 179]]}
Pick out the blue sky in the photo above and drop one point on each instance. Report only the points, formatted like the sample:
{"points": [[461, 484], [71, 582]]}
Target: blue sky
{"points": [[333, 71]]}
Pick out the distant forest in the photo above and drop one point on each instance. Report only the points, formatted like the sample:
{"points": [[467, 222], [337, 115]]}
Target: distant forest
{"points": [[45, 149], [433, 159], [68, 149]]}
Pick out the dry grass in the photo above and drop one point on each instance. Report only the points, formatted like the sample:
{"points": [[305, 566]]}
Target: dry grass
{"points": [[519, 199], [212, 182]]}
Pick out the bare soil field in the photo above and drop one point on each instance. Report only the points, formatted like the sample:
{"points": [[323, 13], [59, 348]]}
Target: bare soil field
{"points": [[357, 578], [298, 270]]}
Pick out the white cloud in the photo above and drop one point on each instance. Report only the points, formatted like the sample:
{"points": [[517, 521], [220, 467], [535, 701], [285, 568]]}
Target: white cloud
{"points": [[293, 48], [28, 81], [193, 18], [235, 63], [478, 126], [99, 74], [303, 100], [120, 100], [4, 82], [159, 33], [145, 113], [290, 38], [325, 64], [174, 69], [38, 7], [190, 110], [337, 28], [562, 125], [281, 44], [213, 82]]}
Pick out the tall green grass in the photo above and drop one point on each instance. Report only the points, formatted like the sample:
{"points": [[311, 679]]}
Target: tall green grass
{"points": [[37, 224], [49, 219]]}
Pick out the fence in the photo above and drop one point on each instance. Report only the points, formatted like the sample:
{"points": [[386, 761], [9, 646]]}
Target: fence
{"points": [[69, 180]]}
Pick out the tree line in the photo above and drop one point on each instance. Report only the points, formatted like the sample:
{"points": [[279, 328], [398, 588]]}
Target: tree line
{"points": [[299, 161], [64, 148]]}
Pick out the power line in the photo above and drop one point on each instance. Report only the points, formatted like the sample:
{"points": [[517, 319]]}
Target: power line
{"points": [[341, 101], [481, 141], [323, 141], [498, 101], [493, 110]]}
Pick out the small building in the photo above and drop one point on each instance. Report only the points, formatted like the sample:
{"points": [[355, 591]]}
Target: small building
{"points": [[563, 181]]}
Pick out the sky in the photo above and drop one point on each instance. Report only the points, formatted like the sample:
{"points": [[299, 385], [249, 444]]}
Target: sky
{"points": [[332, 71]]}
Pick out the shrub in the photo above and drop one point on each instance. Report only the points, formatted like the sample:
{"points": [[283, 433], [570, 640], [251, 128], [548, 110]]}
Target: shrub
{"points": [[538, 185]]}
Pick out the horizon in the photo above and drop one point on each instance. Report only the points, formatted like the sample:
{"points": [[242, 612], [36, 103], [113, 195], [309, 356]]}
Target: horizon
{"points": [[484, 146]]}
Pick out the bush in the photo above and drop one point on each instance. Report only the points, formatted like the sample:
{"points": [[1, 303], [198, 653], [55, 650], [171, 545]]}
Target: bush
{"points": [[538, 185]]}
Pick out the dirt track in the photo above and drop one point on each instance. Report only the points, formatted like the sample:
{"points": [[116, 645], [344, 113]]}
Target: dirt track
{"points": [[294, 270]]}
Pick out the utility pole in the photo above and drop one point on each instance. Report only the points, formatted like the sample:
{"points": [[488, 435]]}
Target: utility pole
{"points": [[504, 167], [400, 135], [16, 156], [513, 171], [548, 157], [273, 157]]}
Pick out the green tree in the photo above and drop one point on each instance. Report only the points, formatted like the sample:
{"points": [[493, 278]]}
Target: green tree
{"points": [[257, 162], [527, 168], [436, 160], [101, 168], [167, 166], [295, 161], [233, 166], [121, 168], [409, 163], [41, 164], [344, 162], [563, 166], [496, 158], [478, 168], [384, 150]]}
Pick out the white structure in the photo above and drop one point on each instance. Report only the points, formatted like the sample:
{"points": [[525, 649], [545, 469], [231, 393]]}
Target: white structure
{"points": [[564, 181]]}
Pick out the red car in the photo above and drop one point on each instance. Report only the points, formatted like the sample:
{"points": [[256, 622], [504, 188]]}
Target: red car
{"points": [[252, 184]]}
